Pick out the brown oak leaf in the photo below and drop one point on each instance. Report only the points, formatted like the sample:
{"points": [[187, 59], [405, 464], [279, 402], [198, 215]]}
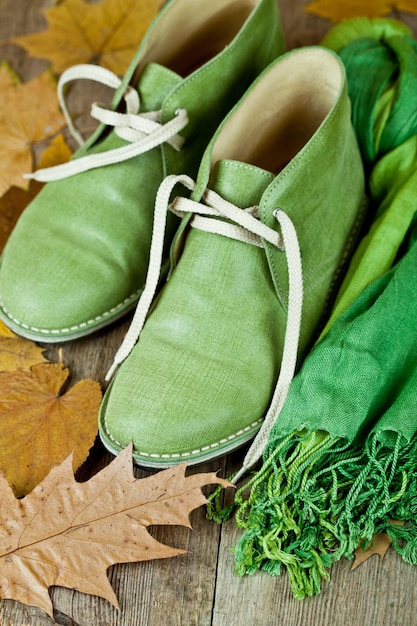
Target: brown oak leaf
{"points": [[29, 115], [345, 9], [39, 428], [379, 545], [107, 33], [68, 533]]}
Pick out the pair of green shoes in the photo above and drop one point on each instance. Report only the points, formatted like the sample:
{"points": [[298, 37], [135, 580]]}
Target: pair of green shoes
{"points": [[260, 150]]}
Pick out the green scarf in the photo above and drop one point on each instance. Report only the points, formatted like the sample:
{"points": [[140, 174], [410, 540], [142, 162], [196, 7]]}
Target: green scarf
{"points": [[341, 461]]}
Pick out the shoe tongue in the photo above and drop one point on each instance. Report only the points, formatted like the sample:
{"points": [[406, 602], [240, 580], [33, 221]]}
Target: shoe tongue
{"points": [[239, 183], [154, 84]]}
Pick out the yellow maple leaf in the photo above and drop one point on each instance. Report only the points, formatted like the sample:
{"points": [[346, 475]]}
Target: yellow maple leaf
{"points": [[346, 9], [39, 428], [5, 331], [29, 115], [17, 353], [106, 32], [15, 200], [56, 152], [8, 78], [12, 204]]}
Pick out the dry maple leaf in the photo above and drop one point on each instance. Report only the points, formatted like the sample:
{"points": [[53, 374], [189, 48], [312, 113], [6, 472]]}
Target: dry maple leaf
{"points": [[55, 153], [67, 533], [15, 200], [29, 114], [106, 32], [12, 205], [39, 428], [345, 9], [17, 353], [8, 80], [5, 331]]}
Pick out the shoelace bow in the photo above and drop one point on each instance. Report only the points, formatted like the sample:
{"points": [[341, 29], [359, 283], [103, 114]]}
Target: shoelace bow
{"points": [[143, 131], [248, 228]]}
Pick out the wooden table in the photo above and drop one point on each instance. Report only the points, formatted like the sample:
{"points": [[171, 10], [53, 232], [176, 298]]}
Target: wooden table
{"points": [[201, 587]]}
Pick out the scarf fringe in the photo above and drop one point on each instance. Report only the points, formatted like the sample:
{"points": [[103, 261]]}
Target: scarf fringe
{"points": [[317, 498]]}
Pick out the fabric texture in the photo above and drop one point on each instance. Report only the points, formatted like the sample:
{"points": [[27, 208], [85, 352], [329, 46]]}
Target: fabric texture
{"points": [[340, 464]]}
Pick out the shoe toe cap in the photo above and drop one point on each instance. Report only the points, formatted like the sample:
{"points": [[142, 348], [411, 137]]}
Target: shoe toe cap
{"points": [[62, 277], [175, 411]]}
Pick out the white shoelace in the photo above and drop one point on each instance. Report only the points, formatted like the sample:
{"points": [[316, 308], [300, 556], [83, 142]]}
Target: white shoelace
{"points": [[143, 131], [248, 228]]}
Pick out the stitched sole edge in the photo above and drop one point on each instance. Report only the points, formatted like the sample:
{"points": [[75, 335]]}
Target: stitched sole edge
{"points": [[193, 457], [76, 331], [82, 329]]}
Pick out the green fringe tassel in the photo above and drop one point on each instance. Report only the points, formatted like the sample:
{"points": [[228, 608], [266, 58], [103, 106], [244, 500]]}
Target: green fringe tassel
{"points": [[317, 499]]}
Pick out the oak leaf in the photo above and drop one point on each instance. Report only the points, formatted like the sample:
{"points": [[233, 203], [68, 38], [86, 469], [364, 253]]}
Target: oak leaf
{"points": [[39, 428], [379, 545], [68, 533], [29, 115], [346, 9], [107, 33]]}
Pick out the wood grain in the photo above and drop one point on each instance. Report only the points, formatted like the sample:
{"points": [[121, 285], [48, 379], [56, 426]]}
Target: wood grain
{"points": [[201, 588]]}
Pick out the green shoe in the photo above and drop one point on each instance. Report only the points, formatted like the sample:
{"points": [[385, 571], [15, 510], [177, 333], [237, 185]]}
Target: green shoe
{"points": [[78, 256], [216, 353]]}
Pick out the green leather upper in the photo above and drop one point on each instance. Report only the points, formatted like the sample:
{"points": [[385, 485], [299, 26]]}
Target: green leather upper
{"points": [[77, 259], [201, 377]]}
